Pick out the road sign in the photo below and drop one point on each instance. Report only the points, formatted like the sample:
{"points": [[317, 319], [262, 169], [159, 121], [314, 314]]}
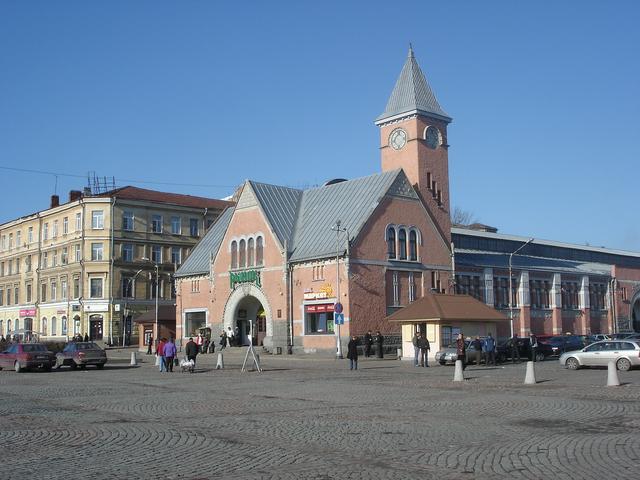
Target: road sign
{"points": [[339, 318], [337, 307]]}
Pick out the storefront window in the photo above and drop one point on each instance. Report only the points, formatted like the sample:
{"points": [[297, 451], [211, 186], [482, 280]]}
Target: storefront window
{"points": [[319, 319], [193, 321]]}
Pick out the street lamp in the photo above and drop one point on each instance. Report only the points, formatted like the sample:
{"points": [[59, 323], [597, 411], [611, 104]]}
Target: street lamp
{"points": [[510, 280], [126, 299], [337, 229]]}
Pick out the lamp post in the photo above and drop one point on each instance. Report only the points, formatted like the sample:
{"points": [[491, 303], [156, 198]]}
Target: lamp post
{"points": [[338, 229], [126, 301], [510, 281]]}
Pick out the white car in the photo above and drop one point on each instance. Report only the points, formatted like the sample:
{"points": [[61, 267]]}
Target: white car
{"points": [[625, 353]]}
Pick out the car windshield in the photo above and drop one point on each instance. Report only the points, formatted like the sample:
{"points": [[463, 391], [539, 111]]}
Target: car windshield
{"points": [[87, 346], [33, 348]]}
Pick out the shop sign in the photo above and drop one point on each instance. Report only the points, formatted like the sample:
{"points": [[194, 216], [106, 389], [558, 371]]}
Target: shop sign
{"points": [[321, 308], [61, 312], [325, 291], [96, 307], [247, 276], [28, 312]]}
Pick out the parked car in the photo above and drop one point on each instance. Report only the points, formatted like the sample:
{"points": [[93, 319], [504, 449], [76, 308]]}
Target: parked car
{"points": [[81, 354], [23, 356], [449, 354], [503, 350], [560, 344], [600, 336], [626, 354]]}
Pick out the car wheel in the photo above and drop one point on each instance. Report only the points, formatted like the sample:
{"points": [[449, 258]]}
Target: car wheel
{"points": [[74, 365], [100, 366], [442, 363], [624, 365], [539, 357], [572, 363], [83, 366], [17, 367], [47, 369]]}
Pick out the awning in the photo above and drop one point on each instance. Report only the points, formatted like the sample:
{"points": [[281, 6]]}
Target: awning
{"points": [[438, 307]]}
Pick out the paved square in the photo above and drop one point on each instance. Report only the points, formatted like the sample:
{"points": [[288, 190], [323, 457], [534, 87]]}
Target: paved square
{"points": [[312, 418]]}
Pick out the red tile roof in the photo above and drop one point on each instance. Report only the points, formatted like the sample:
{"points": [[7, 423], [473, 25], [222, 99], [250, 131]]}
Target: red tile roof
{"points": [[135, 193], [441, 307]]}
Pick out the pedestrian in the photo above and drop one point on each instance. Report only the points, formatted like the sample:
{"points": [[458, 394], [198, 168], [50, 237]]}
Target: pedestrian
{"points": [[169, 353], [461, 350], [477, 346], [352, 352], [160, 354], [489, 349], [425, 347], [515, 351], [86, 337], [149, 344], [416, 349], [533, 346], [379, 341], [223, 340], [191, 350], [368, 342], [199, 342], [206, 340], [236, 336]]}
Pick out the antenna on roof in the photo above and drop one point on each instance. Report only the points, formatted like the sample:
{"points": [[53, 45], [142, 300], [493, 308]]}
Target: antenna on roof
{"points": [[98, 185]]}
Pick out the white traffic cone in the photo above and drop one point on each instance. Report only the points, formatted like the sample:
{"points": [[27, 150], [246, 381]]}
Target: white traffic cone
{"points": [[612, 376], [530, 377], [220, 363], [134, 359], [458, 375]]}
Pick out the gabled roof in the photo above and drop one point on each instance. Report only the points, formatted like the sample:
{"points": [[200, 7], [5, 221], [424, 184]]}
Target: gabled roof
{"points": [[280, 205], [439, 307], [198, 263], [135, 193], [412, 93], [352, 202]]}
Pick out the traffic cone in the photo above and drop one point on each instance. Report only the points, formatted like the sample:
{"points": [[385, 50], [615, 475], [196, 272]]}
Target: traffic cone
{"points": [[220, 363], [458, 375], [530, 377], [134, 360], [612, 377]]}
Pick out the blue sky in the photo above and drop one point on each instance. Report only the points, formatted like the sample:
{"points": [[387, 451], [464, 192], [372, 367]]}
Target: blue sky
{"points": [[544, 97]]}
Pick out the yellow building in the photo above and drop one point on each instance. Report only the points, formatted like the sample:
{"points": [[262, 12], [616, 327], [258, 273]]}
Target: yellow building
{"points": [[86, 266]]}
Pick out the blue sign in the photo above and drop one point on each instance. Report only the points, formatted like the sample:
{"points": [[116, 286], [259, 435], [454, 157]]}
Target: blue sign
{"points": [[338, 318], [337, 307]]}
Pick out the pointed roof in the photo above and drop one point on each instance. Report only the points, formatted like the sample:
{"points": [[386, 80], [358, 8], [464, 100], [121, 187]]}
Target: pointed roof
{"points": [[280, 205], [412, 94], [439, 307]]}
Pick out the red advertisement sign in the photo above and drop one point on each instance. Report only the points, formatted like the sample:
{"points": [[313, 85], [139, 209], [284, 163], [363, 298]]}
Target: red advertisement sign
{"points": [[324, 307]]}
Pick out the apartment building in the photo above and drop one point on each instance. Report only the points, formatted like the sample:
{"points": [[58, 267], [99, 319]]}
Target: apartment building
{"points": [[91, 265]]}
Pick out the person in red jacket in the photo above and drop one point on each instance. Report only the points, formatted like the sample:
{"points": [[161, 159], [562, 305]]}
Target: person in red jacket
{"points": [[160, 353]]}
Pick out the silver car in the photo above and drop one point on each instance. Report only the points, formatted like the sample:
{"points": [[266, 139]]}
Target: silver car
{"points": [[626, 354]]}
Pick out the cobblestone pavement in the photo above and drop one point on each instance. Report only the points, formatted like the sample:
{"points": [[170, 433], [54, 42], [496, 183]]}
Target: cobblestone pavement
{"points": [[312, 418]]}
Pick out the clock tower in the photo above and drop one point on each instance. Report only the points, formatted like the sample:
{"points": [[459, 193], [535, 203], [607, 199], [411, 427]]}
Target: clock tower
{"points": [[413, 136]]}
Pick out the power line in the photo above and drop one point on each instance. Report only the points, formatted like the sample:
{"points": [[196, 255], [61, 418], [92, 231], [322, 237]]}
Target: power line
{"points": [[127, 180]]}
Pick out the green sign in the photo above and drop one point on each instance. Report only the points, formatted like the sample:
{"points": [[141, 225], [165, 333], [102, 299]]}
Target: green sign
{"points": [[247, 276]]}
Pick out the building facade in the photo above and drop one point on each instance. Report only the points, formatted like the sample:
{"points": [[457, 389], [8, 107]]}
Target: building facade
{"points": [[88, 266]]}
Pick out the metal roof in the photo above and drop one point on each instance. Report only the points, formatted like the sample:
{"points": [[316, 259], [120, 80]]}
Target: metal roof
{"points": [[412, 93], [198, 263], [280, 205], [474, 258], [351, 202]]}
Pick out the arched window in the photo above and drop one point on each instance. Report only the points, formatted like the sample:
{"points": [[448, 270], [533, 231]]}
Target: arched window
{"points": [[76, 324], [8, 326], [234, 254], [54, 325], [391, 242], [44, 326], [402, 243], [413, 245], [16, 324], [259, 251], [250, 252], [64, 326], [242, 254]]}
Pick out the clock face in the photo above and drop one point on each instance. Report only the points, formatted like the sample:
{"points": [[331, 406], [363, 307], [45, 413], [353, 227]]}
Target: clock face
{"points": [[432, 137], [398, 139]]}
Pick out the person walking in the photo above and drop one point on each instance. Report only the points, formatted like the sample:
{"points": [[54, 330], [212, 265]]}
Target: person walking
{"points": [[461, 350], [368, 342], [533, 346], [352, 352], [223, 340], [379, 342], [160, 354], [515, 351], [477, 346], [199, 342], [191, 350], [149, 344], [489, 349], [170, 351], [86, 337], [416, 349], [230, 338], [425, 347]]}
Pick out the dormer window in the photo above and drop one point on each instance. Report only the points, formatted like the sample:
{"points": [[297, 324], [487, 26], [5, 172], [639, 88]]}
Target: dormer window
{"points": [[399, 247]]}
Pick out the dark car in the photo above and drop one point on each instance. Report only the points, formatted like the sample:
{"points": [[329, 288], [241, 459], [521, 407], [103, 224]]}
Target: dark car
{"points": [[81, 354], [23, 356], [503, 351], [560, 344]]}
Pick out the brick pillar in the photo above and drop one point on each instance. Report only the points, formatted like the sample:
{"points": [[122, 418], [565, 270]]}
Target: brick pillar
{"points": [[583, 301], [524, 305], [488, 286], [556, 304]]}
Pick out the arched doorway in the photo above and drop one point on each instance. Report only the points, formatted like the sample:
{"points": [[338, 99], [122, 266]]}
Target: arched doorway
{"points": [[248, 310], [635, 315]]}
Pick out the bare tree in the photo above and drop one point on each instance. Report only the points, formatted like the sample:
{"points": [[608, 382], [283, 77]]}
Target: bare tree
{"points": [[462, 217]]}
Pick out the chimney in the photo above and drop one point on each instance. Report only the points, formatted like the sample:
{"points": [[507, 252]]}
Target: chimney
{"points": [[75, 195], [55, 201]]}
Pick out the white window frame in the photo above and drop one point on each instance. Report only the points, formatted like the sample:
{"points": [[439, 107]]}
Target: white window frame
{"points": [[97, 252], [178, 230], [97, 219]]}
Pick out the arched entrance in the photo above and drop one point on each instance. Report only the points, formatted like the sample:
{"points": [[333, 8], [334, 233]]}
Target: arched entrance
{"points": [[635, 315], [248, 310]]}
